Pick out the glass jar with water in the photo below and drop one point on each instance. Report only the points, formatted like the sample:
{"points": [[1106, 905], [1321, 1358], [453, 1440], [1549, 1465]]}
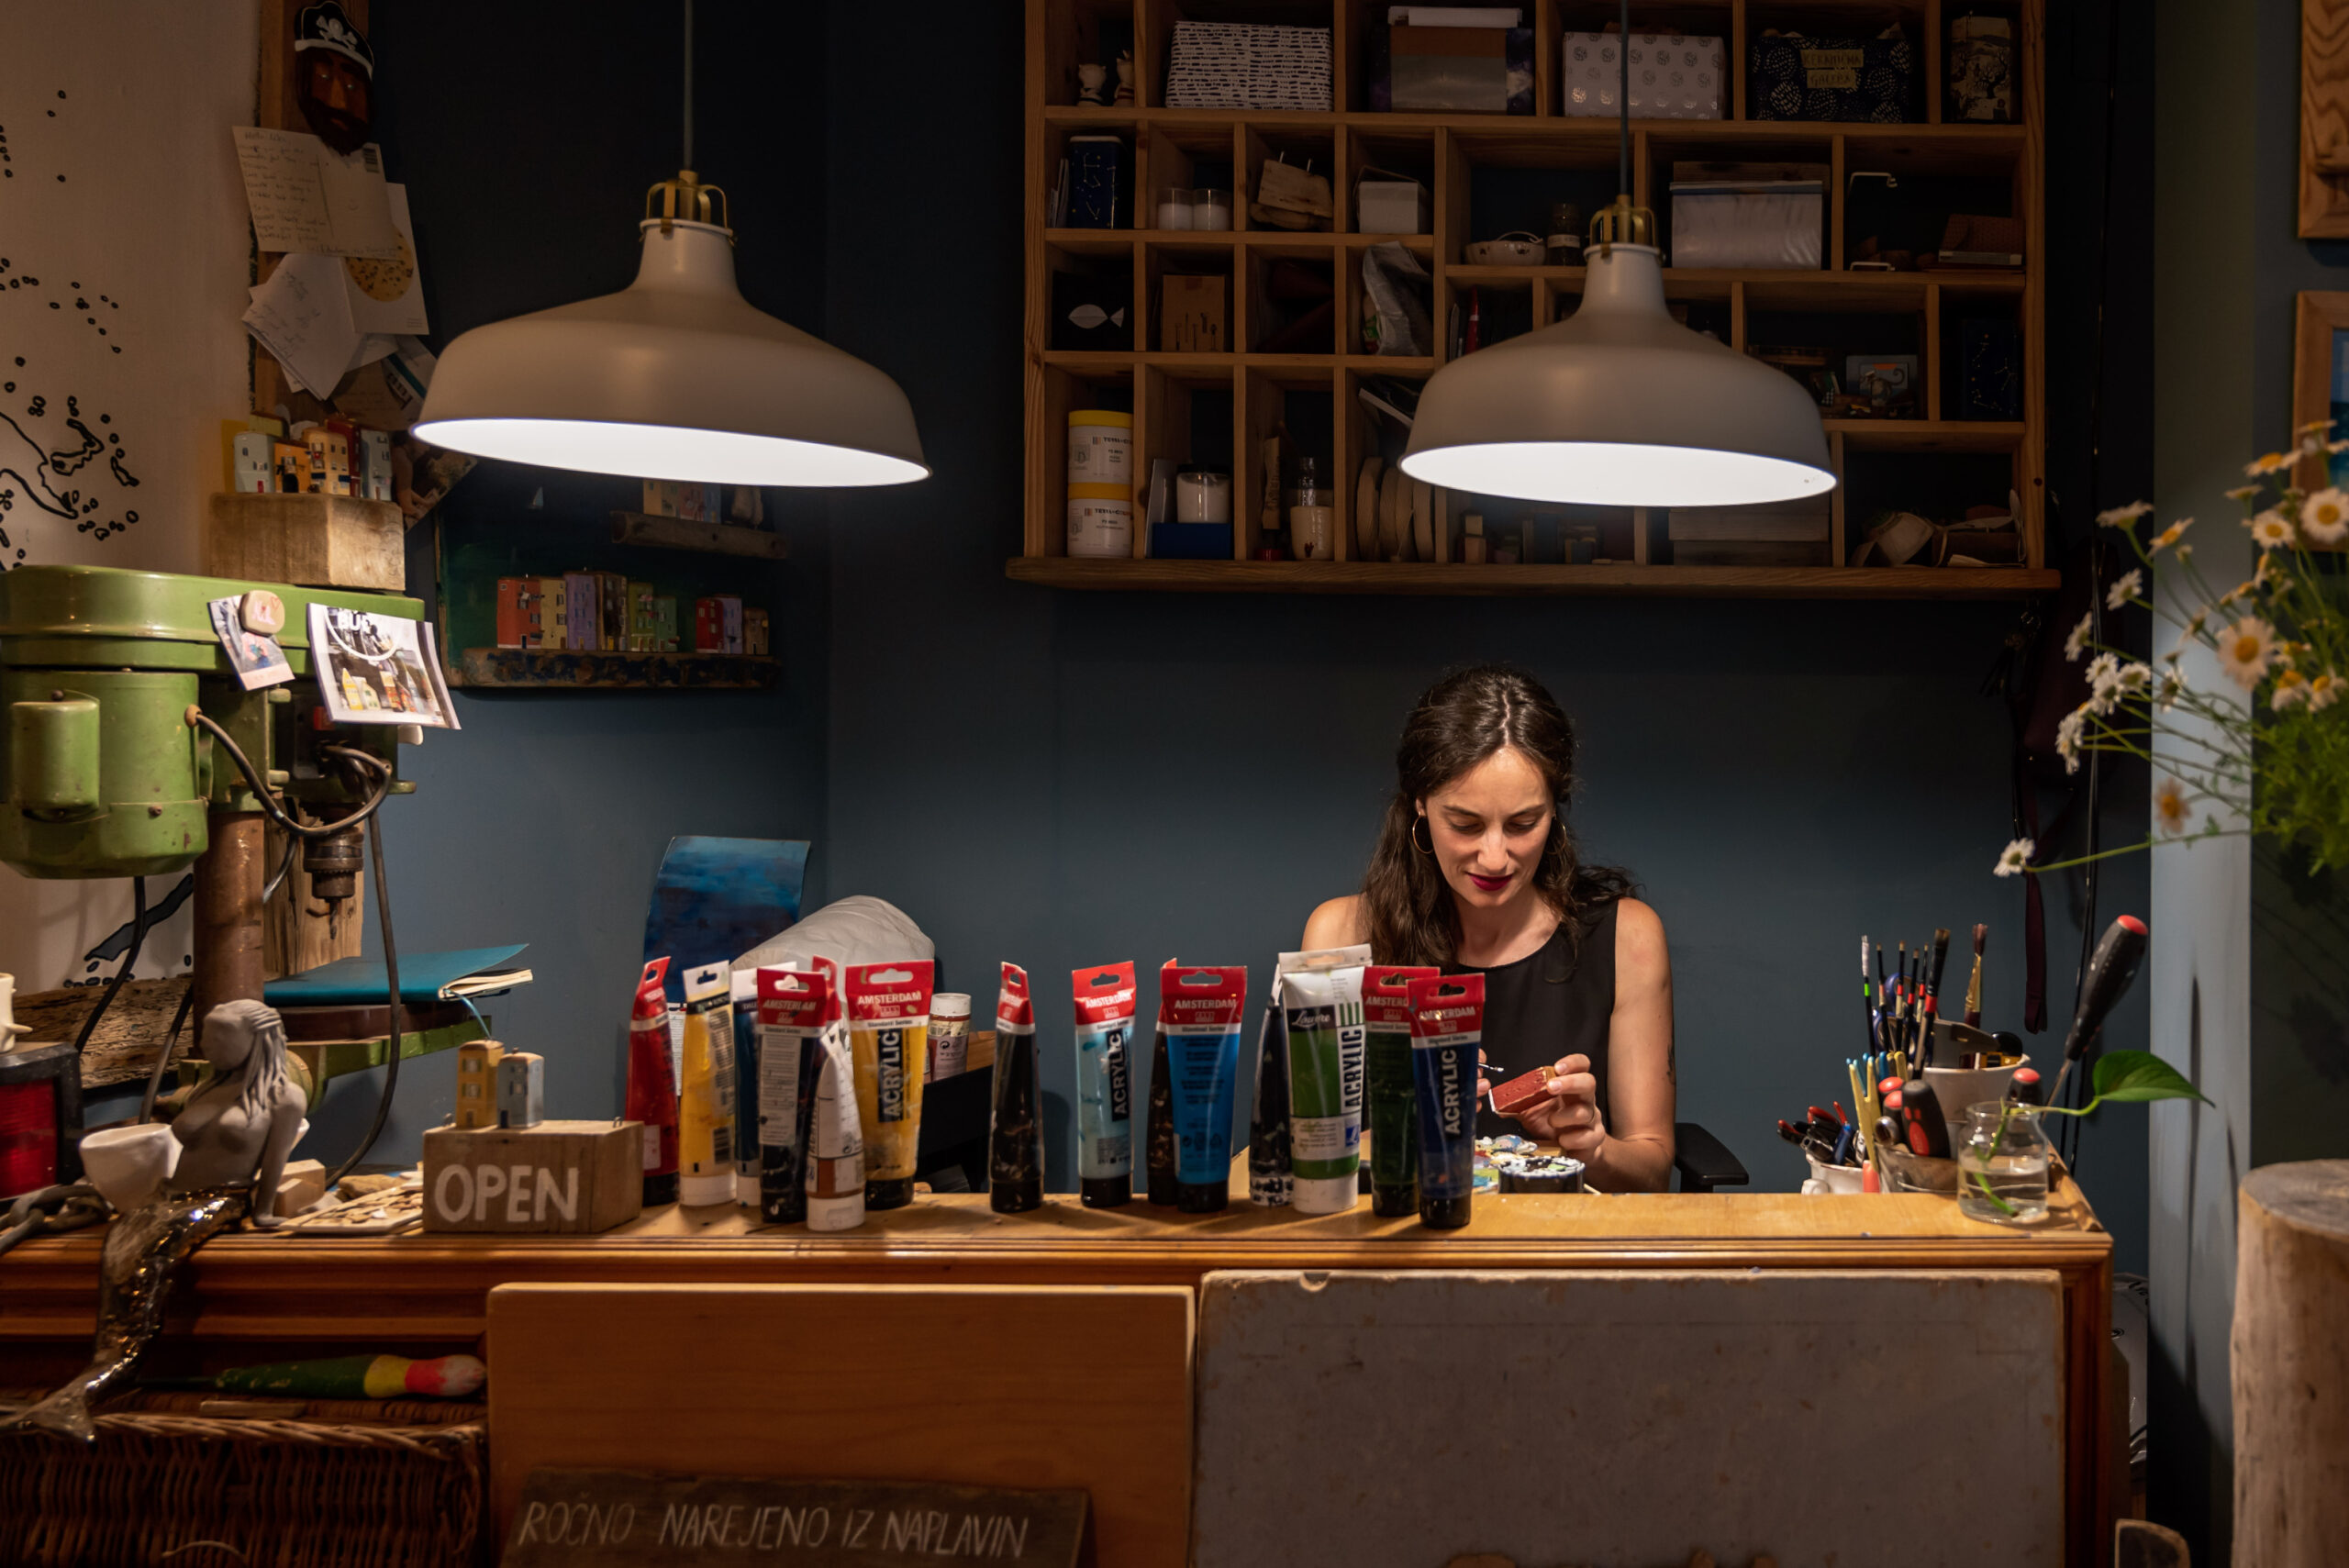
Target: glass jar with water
{"points": [[2003, 1164]]}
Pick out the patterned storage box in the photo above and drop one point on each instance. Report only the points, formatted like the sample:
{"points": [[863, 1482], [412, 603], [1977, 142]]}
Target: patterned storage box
{"points": [[1242, 65], [1796, 77], [1673, 78]]}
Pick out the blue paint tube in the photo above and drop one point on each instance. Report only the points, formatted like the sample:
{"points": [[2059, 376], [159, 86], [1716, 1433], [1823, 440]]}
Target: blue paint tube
{"points": [[1199, 1012], [1104, 1121], [1447, 1026]]}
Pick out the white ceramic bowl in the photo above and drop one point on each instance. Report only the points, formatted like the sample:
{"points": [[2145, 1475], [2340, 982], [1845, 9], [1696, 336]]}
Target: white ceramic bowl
{"points": [[129, 1164], [1509, 250]]}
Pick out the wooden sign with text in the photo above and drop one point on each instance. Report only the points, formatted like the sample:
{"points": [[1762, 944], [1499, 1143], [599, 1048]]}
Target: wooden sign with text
{"points": [[570, 1178], [596, 1518]]}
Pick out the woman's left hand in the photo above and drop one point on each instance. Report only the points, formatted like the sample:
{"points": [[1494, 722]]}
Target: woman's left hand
{"points": [[1569, 1117]]}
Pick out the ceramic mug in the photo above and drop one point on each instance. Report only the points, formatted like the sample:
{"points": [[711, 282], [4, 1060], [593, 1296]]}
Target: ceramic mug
{"points": [[129, 1164]]}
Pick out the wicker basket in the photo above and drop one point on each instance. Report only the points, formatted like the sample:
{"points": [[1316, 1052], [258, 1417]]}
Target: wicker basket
{"points": [[357, 1483]]}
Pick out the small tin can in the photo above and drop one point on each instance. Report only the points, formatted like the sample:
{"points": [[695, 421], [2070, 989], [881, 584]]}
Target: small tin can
{"points": [[950, 1036]]}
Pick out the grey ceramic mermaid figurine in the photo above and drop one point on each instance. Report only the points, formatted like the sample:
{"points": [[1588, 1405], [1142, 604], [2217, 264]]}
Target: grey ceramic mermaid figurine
{"points": [[235, 1134]]}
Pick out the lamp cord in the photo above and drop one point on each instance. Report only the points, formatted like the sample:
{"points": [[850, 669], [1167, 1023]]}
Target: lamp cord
{"points": [[689, 84], [1621, 103]]}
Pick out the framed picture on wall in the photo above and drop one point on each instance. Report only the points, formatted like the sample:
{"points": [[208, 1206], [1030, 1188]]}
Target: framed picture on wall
{"points": [[2324, 119], [2320, 382]]}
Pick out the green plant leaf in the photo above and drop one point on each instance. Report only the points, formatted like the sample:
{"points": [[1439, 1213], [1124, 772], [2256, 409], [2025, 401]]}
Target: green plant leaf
{"points": [[2130, 1075]]}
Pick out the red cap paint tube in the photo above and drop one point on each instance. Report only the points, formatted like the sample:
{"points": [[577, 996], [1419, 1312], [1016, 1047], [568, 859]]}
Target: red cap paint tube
{"points": [[2025, 1087], [1199, 1014], [1394, 1131], [652, 1084], [1016, 1135], [888, 1031], [1447, 1026], [1104, 998], [791, 1011]]}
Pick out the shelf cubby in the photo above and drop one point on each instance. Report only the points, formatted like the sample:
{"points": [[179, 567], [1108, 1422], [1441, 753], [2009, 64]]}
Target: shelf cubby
{"points": [[1488, 174]]}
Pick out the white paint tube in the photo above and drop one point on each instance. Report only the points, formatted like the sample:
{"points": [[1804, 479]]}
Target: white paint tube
{"points": [[1320, 997], [836, 1159]]}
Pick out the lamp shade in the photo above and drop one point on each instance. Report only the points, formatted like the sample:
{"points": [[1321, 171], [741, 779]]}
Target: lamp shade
{"points": [[1619, 405], [675, 377]]}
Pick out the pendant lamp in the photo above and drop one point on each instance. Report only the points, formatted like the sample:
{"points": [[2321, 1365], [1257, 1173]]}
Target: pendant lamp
{"points": [[676, 376], [1619, 404]]}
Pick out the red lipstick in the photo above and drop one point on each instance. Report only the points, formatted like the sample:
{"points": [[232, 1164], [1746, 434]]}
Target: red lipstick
{"points": [[1489, 884]]}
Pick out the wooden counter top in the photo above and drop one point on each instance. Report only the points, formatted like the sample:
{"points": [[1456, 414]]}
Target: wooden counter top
{"points": [[434, 1286]]}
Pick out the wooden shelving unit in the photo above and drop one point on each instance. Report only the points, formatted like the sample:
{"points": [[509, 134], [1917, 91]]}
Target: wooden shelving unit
{"points": [[1937, 464]]}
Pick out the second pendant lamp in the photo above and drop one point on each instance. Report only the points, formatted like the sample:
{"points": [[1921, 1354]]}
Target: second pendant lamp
{"points": [[1619, 404]]}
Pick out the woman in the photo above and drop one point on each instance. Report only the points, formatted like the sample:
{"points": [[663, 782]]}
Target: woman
{"points": [[1475, 872]]}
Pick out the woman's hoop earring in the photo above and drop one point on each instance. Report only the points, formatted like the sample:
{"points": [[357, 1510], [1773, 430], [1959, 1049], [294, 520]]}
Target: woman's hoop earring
{"points": [[1413, 834]]}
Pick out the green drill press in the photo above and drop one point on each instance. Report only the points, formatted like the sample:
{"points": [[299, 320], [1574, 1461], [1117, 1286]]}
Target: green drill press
{"points": [[108, 771]]}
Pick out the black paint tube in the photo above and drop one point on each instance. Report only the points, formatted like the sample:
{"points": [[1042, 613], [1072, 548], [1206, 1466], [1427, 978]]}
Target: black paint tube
{"points": [[1016, 1135], [1158, 1138], [1269, 1180]]}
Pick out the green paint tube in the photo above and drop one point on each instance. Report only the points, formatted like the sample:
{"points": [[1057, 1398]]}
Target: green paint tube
{"points": [[1321, 1000]]}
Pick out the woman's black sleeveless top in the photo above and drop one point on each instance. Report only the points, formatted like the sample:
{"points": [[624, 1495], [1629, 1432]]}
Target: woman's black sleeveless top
{"points": [[1555, 1002]]}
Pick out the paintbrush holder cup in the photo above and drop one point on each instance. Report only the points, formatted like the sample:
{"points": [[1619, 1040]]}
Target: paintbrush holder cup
{"points": [[1958, 1087], [1831, 1178], [129, 1164]]}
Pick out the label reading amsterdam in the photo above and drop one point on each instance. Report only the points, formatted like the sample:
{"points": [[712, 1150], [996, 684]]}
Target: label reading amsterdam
{"points": [[608, 1517]]}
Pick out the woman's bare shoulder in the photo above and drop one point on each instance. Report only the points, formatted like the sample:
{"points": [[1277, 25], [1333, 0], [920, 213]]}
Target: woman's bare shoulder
{"points": [[1639, 947], [1339, 923]]}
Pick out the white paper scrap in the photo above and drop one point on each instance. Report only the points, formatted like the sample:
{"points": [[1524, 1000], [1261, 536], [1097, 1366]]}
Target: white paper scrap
{"points": [[305, 196], [387, 295], [301, 313]]}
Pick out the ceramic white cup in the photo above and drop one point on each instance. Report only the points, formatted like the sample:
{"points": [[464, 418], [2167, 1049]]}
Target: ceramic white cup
{"points": [[1833, 1178], [1958, 1087], [129, 1164]]}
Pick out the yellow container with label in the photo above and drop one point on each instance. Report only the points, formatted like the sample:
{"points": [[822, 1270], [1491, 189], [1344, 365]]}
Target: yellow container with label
{"points": [[1101, 448], [1100, 521]]}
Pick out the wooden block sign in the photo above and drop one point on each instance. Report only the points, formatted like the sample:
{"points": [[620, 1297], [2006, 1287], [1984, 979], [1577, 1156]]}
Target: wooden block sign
{"points": [[569, 1178], [615, 1516]]}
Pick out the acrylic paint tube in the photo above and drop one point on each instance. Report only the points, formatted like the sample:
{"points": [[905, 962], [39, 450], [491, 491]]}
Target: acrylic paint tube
{"points": [[652, 1084], [1325, 1072], [888, 1029], [1447, 1026], [792, 1010], [1199, 1014], [836, 1142], [743, 999], [705, 1091], [1104, 996], [1269, 1178], [1015, 1128], [1388, 1092], [1158, 1128]]}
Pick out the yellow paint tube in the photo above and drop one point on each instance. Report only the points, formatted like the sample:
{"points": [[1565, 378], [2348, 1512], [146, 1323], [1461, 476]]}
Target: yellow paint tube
{"points": [[705, 1090], [888, 1026]]}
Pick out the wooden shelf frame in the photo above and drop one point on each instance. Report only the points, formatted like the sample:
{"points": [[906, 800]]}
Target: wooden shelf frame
{"points": [[1166, 146]]}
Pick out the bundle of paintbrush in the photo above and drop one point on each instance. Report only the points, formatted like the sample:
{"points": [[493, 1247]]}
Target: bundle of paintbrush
{"points": [[1902, 1002]]}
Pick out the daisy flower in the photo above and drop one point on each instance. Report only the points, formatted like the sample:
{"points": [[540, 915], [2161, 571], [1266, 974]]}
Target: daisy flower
{"points": [[2315, 428], [2291, 689], [2273, 462], [2324, 691], [2186, 552], [2171, 808], [2173, 687], [2271, 529], [2015, 858], [2246, 650], [2121, 516], [2172, 534], [2242, 492], [2069, 735], [2133, 677], [2078, 643], [2324, 517], [2127, 590]]}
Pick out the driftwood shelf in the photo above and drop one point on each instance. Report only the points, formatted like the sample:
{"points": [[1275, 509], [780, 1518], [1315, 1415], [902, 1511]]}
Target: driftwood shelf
{"points": [[581, 670], [678, 533]]}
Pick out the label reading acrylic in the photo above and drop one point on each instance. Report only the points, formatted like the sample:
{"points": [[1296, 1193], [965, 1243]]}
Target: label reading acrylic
{"points": [[889, 1056]]}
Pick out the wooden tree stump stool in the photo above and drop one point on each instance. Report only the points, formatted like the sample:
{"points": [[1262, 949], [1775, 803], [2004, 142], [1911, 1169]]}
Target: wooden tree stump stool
{"points": [[2290, 1352]]}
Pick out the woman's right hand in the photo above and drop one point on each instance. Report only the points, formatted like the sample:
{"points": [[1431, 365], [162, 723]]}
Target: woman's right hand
{"points": [[1569, 1117]]}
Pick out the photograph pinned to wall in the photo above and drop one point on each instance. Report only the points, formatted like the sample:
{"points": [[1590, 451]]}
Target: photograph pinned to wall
{"points": [[254, 655], [378, 669]]}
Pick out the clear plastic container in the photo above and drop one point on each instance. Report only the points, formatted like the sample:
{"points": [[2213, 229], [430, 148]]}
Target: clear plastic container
{"points": [[1210, 208], [1175, 207]]}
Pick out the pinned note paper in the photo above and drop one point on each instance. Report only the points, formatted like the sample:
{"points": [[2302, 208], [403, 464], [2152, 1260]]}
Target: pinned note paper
{"points": [[386, 295], [301, 313], [305, 197]]}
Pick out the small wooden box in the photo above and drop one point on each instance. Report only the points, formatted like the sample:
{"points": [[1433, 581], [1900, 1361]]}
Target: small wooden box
{"points": [[1190, 317], [569, 1178], [312, 541]]}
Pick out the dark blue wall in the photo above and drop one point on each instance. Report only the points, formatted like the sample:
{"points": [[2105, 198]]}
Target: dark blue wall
{"points": [[526, 141], [1063, 779]]}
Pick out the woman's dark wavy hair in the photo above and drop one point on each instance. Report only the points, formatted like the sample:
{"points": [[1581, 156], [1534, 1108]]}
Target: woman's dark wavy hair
{"points": [[1464, 718]]}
